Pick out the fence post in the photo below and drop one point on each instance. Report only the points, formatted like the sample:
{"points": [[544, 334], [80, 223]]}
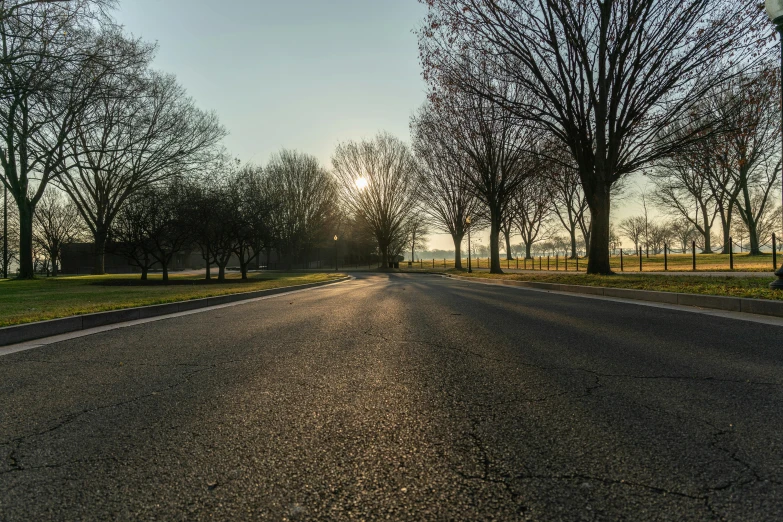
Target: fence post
{"points": [[577, 262], [517, 262], [665, 257], [557, 262], [640, 259], [539, 263], [547, 263], [731, 253], [621, 260], [693, 250], [774, 254], [566, 262]]}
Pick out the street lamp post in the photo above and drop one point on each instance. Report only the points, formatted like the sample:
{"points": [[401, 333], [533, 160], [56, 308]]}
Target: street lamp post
{"points": [[335, 252], [775, 13], [470, 268]]}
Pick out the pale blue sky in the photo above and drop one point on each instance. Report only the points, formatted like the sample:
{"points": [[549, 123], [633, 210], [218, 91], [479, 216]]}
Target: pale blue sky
{"points": [[303, 74]]}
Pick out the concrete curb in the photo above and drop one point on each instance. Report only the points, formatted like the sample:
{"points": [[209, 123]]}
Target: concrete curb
{"points": [[31, 331], [712, 302]]}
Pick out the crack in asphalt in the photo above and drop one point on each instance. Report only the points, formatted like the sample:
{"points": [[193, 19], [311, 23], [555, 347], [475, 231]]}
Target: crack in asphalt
{"points": [[502, 479], [486, 469], [16, 442]]}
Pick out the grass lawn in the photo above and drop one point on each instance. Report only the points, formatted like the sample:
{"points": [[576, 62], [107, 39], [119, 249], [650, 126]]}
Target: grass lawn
{"points": [[752, 287], [51, 298], [743, 262]]}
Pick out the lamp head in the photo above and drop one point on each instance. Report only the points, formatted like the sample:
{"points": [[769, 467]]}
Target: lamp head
{"points": [[775, 11], [335, 237]]}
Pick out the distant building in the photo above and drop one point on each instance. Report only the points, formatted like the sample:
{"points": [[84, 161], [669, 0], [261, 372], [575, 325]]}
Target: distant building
{"points": [[79, 258]]}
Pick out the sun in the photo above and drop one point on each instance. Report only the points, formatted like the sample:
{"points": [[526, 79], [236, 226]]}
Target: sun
{"points": [[361, 183]]}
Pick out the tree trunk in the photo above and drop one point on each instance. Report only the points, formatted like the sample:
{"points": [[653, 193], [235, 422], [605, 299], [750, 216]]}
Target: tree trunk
{"points": [[726, 224], [144, 272], [573, 243], [243, 267], [26, 267], [753, 237], [588, 237], [457, 251], [509, 257], [54, 266], [529, 247], [600, 206], [707, 240], [99, 254], [707, 227], [494, 242], [165, 272], [222, 271]]}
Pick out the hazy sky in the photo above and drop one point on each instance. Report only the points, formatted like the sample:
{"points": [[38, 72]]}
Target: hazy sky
{"points": [[303, 74], [299, 74]]}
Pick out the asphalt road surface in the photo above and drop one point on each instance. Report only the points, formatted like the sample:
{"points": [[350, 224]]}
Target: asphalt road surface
{"points": [[403, 398]]}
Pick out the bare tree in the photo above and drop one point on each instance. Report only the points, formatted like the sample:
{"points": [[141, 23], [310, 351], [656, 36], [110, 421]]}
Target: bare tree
{"points": [[605, 78], [633, 228], [507, 227], [659, 235], [684, 232], [501, 154], [165, 222], [10, 237], [750, 118], [306, 197], [379, 188], [54, 59], [445, 191], [146, 132], [250, 218], [418, 231], [532, 204], [129, 236], [56, 223], [568, 201], [682, 188]]}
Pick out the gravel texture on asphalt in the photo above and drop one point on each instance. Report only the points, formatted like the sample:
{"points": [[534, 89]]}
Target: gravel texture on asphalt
{"points": [[400, 397]]}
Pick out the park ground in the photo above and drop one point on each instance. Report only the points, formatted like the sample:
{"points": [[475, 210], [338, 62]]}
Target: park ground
{"points": [[24, 301]]}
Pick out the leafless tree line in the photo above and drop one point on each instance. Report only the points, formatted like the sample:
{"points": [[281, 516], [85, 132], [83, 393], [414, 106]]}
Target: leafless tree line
{"points": [[81, 109], [595, 90]]}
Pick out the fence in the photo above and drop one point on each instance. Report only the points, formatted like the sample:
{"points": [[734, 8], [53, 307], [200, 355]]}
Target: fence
{"points": [[638, 261]]}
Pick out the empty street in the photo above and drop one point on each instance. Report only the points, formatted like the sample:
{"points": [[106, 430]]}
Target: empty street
{"points": [[404, 397]]}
